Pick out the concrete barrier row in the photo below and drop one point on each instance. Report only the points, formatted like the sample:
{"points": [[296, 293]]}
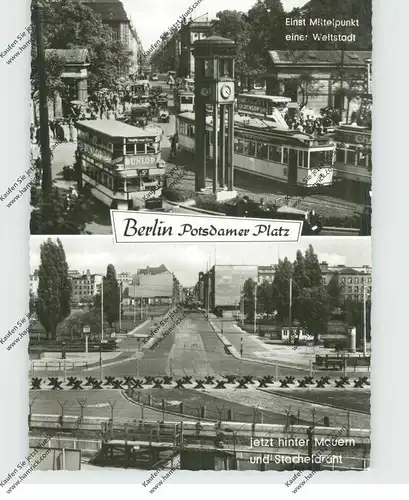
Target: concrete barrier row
{"points": [[208, 382]]}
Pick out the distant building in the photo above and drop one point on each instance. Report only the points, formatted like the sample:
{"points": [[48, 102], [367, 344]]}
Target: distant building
{"points": [[113, 15], [75, 78], [124, 278], [325, 66], [223, 285], [85, 286], [155, 285], [266, 273], [34, 283], [190, 32], [353, 280]]}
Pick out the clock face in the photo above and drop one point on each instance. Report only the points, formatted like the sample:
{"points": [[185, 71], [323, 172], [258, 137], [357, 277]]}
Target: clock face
{"points": [[205, 92], [225, 91]]}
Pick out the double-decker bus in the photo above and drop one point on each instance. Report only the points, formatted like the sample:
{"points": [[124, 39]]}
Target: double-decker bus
{"points": [[283, 155], [120, 163], [269, 107]]}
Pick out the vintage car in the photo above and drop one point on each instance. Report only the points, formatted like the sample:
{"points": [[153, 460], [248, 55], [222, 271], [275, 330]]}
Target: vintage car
{"points": [[163, 115]]}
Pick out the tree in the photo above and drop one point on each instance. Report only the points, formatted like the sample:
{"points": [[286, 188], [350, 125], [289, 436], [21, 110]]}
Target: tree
{"points": [[111, 295], [71, 327], [313, 310], [267, 31], [69, 214], [312, 268], [54, 288], [305, 85], [249, 288], [281, 288], [334, 290], [68, 24], [265, 298], [54, 66], [233, 24]]}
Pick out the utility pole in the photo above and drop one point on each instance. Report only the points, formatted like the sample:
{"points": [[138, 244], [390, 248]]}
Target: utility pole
{"points": [[364, 334], [141, 303], [102, 308], [290, 320], [134, 303], [255, 308], [43, 96], [241, 306], [120, 307], [342, 82]]}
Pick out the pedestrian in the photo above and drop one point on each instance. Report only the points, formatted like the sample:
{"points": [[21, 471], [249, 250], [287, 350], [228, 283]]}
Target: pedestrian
{"points": [[71, 129], [52, 128], [32, 132]]}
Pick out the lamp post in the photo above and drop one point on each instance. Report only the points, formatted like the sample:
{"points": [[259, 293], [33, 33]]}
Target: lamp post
{"points": [[43, 108]]}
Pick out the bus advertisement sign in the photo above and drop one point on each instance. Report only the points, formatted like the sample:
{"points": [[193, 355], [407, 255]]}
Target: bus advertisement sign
{"points": [[136, 161]]}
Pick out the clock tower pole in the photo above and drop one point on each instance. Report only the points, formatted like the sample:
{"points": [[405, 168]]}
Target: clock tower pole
{"points": [[214, 103]]}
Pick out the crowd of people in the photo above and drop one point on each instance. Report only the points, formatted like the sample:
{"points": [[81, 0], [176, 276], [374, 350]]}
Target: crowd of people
{"points": [[312, 125]]}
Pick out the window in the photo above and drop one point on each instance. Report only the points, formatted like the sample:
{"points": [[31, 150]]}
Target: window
{"points": [[151, 147], [343, 280], [349, 280], [239, 143], [320, 159], [349, 289], [118, 150], [362, 280], [252, 148], [262, 151], [340, 155], [225, 68], [362, 159], [285, 156], [208, 69], [130, 149], [140, 147], [356, 280], [350, 156], [274, 153], [186, 100], [302, 158]]}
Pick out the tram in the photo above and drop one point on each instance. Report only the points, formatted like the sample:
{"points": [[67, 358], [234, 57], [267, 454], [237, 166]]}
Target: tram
{"points": [[120, 164], [285, 156], [184, 101]]}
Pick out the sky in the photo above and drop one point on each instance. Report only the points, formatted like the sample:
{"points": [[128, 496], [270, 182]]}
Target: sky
{"points": [[152, 18], [187, 260]]}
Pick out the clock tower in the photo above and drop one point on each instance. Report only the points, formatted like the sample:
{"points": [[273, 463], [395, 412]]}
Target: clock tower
{"points": [[214, 89]]}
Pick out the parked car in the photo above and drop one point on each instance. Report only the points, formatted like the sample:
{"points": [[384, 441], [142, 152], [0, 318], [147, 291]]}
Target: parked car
{"points": [[154, 77]]}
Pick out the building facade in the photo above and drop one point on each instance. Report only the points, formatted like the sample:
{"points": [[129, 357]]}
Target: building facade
{"points": [[155, 285], [184, 43], [335, 76], [114, 16], [354, 281], [85, 286]]}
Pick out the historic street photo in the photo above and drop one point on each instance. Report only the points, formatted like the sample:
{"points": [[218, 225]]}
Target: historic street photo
{"points": [[264, 111], [203, 357]]}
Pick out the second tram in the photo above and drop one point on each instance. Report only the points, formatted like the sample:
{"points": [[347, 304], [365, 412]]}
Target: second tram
{"points": [[286, 156]]}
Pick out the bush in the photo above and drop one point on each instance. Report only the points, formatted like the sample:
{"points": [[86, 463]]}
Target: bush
{"points": [[342, 221]]}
